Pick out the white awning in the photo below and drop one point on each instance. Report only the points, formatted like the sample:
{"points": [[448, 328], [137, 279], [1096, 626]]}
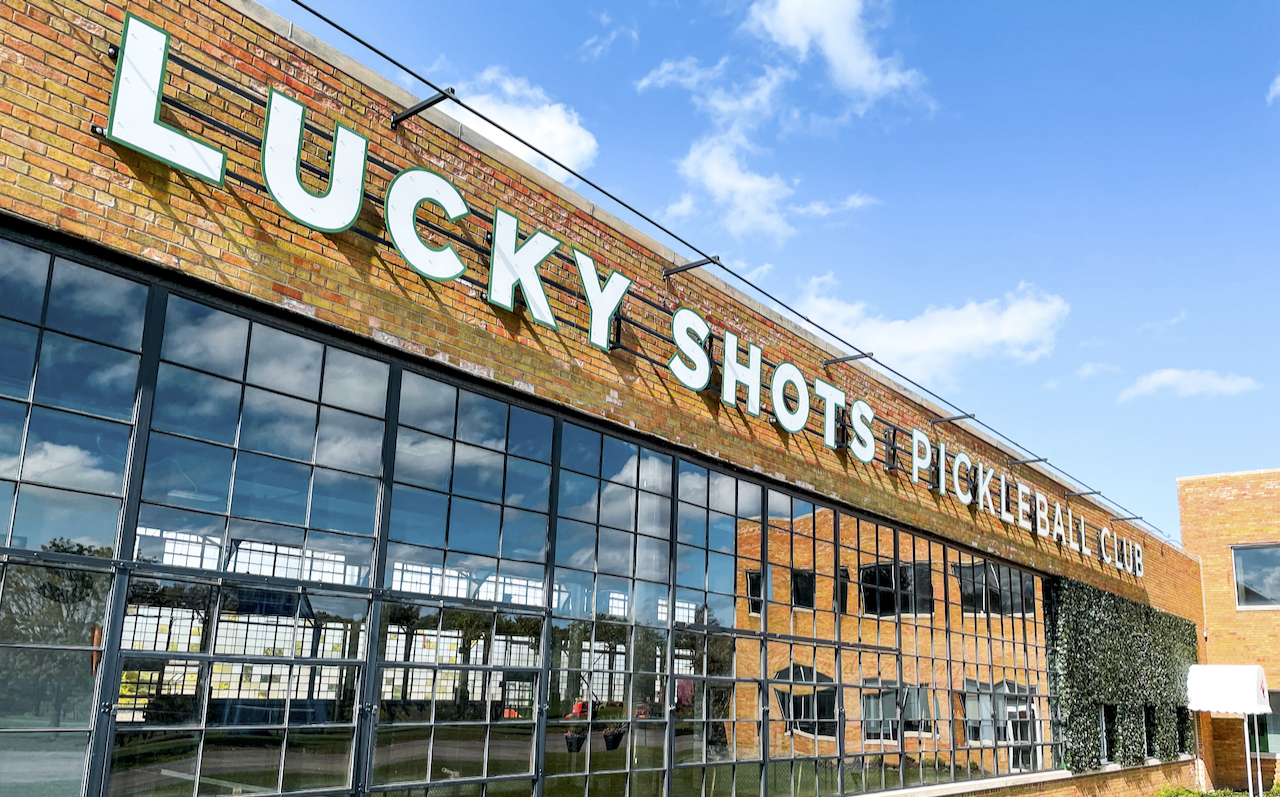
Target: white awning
{"points": [[1228, 689]]}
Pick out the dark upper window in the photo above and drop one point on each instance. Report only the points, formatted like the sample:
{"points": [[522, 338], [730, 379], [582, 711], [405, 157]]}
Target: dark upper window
{"points": [[843, 586], [912, 594], [802, 589], [1108, 733], [988, 588], [1257, 575]]}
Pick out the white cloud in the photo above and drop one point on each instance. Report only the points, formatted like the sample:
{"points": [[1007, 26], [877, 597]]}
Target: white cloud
{"points": [[682, 208], [687, 73], [1093, 369], [758, 273], [837, 29], [750, 202], [599, 44], [1166, 324], [820, 208], [933, 346], [1275, 90], [526, 109], [1186, 383]]}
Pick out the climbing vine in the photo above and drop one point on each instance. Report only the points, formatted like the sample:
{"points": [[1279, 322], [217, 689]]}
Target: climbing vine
{"points": [[1105, 650]]}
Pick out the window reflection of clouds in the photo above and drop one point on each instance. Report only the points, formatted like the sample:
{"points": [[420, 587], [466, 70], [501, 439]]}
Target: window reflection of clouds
{"points": [[77, 452], [191, 403], [275, 424], [13, 420], [578, 497], [1257, 576], [354, 382], [528, 485], [17, 358], [477, 473], [96, 305], [23, 272], [349, 441], [482, 420], [204, 338], [284, 362], [427, 404], [423, 459], [87, 377], [186, 473], [44, 515]]}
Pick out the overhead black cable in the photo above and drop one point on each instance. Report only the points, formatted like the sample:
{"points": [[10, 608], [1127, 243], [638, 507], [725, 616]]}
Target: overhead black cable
{"points": [[657, 225]]}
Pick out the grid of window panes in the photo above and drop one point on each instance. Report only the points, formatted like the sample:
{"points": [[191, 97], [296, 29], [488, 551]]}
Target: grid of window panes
{"points": [[655, 606], [264, 454], [235, 689]]}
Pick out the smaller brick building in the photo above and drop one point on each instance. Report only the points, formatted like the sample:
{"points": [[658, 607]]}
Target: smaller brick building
{"points": [[1229, 522]]}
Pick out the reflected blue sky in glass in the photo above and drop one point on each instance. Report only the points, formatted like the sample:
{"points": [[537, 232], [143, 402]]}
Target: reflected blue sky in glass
{"points": [[528, 484], [477, 473], [691, 566], [73, 451], [720, 572], [354, 382], [576, 545], [7, 492], [338, 559], [95, 305], [578, 497], [482, 420], [693, 483], [692, 524], [176, 536], [652, 557], [472, 571], [620, 461], [196, 404], [423, 459], [58, 520], [270, 489], [23, 273], [615, 552], [418, 516], [427, 404], [187, 473], [284, 362], [349, 441], [204, 338], [276, 424], [529, 435], [13, 421], [618, 506], [573, 594], [580, 449], [87, 377], [17, 358], [473, 526], [524, 535], [343, 502]]}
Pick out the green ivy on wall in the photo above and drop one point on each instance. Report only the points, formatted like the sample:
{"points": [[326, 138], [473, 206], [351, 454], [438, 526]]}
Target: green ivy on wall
{"points": [[1107, 650]]}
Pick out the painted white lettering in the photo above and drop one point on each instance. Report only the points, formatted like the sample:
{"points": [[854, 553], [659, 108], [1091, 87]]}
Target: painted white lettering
{"points": [[689, 331], [1103, 534], [1042, 515], [734, 373], [407, 192], [862, 442], [921, 454], [1005, 515], [1137, 559], [984, 488], [602, 301], [509, 267], [965, 495], [832, 403], [791, 420], [338, 207]]}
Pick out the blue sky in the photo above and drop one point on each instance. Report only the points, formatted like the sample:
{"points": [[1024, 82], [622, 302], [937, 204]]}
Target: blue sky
{"points": [[1064, 218]]}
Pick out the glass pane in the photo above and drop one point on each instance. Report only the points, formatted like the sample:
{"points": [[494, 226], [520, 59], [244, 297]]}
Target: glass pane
{"points": [[652, 559], [7, 492], [578, 497], [722, 493], [186, 473], [161, 692], [655, 472], [350, 442], [317, 758], [469, 576], [510, 749], [573, 595], [17, 358], [284, 362], [477, 473], [323, 695], [457, 752], [153, 764], [337, 559], [64, 522], [167, 615], [520, 583], [255, 622], [42, 764], [46, 688], [576, 545], [693, 484], [618, 506], [77, 452], [620, 461], [691, 566], [482, 420], [427, 404], [423, 459], [276, 424], [748, 499], [692, 528], [529, 435], [204, 338], [1257, 576], [96, 305], [615, 552], [343, 502], [270, 489], [528, 484], [414, 569], [86, 377], [580, 449], [191, 403], [247, 694], [331, 627], [720, 573], [524, 535], [264, 549], [418, 516], [654, 516], [53, 606], [721, 532], [240, 762], [400, 754], [23, 273], [473, 527], [354, 382], [13, 421]]}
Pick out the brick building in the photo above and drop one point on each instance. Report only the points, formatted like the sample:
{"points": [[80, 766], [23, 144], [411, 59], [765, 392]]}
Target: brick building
{"points": [[299, 493], [1230, 524]]}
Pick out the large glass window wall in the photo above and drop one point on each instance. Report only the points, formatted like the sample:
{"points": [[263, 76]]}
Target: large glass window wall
{"points": [[243, 558]]}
